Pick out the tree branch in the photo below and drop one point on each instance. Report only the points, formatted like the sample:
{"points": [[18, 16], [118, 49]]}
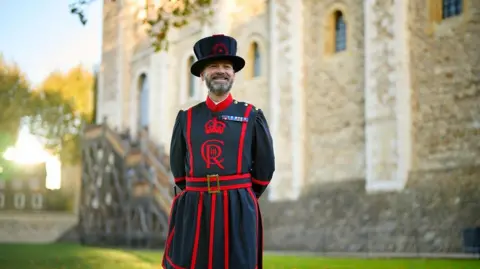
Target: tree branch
{"points": [[173, 13]]}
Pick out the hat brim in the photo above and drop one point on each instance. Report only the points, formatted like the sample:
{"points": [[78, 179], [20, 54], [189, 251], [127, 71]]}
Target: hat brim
{"points": [[238, 63]]}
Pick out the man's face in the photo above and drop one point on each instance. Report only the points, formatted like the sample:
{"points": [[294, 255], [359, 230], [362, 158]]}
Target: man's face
{"points": [[219, 77]]}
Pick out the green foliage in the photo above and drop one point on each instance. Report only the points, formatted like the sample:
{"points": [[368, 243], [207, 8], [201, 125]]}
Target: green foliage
{"points": [[7, 169], [75, 87], [173, 13], [65, 102], [59, 200], [14, 99], [55, 112]]}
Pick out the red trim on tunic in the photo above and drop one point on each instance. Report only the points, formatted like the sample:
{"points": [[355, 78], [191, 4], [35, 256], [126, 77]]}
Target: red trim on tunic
{"points": [[242, 139], [197, 231], [169, 240], [221, 178], [166, 255], [255, 202], [225, 183], [220, 106], [212, 231], [179, 179], [220, 188], [260, 182], [226, 218], [189, 142]]}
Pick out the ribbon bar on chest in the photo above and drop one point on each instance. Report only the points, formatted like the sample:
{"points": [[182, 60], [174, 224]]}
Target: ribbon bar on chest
{"points": [[233, 118]]}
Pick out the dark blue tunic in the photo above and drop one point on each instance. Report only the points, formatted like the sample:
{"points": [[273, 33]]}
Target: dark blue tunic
{"points": [[222, 159]]}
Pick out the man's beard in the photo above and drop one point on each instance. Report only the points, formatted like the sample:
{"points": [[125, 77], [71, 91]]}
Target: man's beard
{"points": [[219, 88]]}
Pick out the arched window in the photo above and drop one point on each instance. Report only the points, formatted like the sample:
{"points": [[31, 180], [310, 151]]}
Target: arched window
{"points": [[451, 8], [335, 32], [443, 9], [340, 32], [19, 200], [191, 81], [254, 61], [143, 102], [37, 201]]}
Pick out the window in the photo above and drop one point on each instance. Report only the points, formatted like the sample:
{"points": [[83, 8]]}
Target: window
{"points": [[19, 200], [451, 8], [143, 103], [191, 82], [340, 32], [444, 9], [254, 61], [336, 32], [37, 201]]}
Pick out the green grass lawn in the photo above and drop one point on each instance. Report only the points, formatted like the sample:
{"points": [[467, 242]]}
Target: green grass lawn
{"points": [[63, 256]]}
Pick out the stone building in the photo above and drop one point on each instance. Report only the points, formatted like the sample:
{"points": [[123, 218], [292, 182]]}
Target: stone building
{"points": [[374, 107]]}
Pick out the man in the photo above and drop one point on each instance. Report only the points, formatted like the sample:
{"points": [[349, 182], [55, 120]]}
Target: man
{"points": [[222, 158]]}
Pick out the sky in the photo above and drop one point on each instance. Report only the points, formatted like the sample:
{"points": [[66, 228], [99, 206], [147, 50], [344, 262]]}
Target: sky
{"points": [[42, 36]]}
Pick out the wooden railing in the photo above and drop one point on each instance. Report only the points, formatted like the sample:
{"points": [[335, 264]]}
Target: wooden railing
{"points": [[143, 153]]}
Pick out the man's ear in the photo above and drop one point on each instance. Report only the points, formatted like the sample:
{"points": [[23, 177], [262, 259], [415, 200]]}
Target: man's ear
{"points": [[202, 76]]}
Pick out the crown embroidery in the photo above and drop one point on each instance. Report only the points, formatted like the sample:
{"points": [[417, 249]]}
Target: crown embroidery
{"points": [[214, 126], [219, 49]]}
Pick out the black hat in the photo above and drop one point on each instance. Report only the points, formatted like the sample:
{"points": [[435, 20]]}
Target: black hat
{"points": [[216, 47]]}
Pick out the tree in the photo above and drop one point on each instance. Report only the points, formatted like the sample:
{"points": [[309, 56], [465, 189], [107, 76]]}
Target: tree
{"points": [[170, 13], [49, 115], [65, 102], [15, 97], [75, 86]]}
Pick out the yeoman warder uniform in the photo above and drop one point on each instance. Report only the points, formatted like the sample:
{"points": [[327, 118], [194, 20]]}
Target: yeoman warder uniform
{"points": [[222, 159]]}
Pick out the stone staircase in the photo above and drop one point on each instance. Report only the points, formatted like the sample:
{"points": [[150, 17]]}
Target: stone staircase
{"points": [[127, 188], [143, 154]]}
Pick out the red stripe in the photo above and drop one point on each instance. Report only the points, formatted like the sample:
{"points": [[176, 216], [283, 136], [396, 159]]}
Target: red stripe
{"points": [[212, 231], [221, 178], [226, 217], [170, 236], [255, 202], [197, 231], [189, 142], [178, 179], [242, 140], [260, 182], [169, 240], [220, 188]]}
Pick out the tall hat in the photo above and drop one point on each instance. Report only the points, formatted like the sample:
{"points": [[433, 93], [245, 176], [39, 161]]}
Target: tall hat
{"points": [[216, 47]]}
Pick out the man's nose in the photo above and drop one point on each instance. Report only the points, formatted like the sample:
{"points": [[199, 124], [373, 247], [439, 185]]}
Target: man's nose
{"points": [[222, 69]]}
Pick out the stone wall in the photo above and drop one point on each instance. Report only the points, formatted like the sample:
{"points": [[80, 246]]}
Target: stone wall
{"points": [[253, 90], [428, 216], [334, 94], [34, 227], [179, 74], [445, 68], [442, 194], [108, 79]]}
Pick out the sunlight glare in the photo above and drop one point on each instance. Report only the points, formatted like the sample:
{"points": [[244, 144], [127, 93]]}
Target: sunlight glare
{"points": [[28, 150]]}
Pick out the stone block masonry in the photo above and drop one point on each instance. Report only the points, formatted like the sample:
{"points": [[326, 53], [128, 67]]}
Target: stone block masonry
{"points": [[427, 217]]}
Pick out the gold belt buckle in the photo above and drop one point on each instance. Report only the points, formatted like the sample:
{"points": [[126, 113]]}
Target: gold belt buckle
{"points": [[209, 187]]}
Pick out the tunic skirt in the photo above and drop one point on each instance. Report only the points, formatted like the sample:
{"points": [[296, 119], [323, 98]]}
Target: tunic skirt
{"points": [[222, 159]]}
